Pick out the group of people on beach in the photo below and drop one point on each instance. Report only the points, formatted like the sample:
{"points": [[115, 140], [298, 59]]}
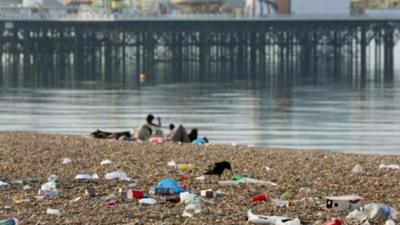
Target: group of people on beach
{"points": [[149, 130]]}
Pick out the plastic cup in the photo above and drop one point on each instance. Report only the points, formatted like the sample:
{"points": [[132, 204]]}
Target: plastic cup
{"points": [[137, 194], [260, 197]]}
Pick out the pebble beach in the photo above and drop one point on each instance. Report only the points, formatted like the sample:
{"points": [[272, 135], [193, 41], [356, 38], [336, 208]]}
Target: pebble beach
{"points": [[30, 158]]}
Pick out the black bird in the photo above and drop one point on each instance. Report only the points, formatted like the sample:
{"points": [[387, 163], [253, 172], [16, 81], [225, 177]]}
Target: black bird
{"points": [[218, 168]]}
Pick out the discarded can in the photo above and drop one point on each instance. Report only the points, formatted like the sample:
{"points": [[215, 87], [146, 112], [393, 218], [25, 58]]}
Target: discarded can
{"points": [[260, 198], [185, 167], [11, 221], [344, 203]]}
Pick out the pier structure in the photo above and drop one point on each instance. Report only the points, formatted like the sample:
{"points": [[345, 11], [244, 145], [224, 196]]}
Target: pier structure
{"points": [[198, 47]]}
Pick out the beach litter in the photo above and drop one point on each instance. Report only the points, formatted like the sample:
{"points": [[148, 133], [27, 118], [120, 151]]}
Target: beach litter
{"points": [[194, 204], [117, 175], [285, 195], [11, 221], [91, 192], [248, 181], [280, 203], [373, 212], [147, 201], [288, 222], [185, 167], [3, 184], [151, 167], [263, 197], [334, 222], [389, 166], [54, 212], [261, 219], [86, 177], [172, 164], [134, 193], [390, 222], [201, 178], [66, 161], [111, 203], [357, 169], [168, 186], [105, 162], [49, 189], [344, 203], [27, 187], [239, 177], [210, 193]]}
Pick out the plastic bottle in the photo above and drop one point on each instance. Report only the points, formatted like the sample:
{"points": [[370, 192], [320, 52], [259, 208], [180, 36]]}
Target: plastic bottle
{"points": [[11, 221], [380, 212]]}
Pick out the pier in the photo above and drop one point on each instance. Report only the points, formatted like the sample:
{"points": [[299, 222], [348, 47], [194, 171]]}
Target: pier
{"points": [[193, 47]]}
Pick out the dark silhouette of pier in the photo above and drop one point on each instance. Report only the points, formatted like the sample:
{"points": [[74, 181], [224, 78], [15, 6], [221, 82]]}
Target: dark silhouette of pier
{"points": [[124, 49]]}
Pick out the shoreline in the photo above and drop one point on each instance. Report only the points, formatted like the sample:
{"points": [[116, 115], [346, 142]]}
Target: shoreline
{"points": [[36, 156], [245, 145]]}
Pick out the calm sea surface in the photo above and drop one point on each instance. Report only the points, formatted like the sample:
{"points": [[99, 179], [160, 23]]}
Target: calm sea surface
{"points": [[297, 112]]}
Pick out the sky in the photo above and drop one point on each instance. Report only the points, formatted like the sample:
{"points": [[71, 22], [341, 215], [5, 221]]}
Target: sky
{"points": [[320, 6]]}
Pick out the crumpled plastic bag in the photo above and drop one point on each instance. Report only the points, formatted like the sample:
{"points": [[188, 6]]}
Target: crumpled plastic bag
{"points": [[86, 177], [247, 180], [195, 204], [117, 175], [260, 219], [357, 169], [3, 184], [66, 161], [147, 201], [49, 189], [105, 162]]}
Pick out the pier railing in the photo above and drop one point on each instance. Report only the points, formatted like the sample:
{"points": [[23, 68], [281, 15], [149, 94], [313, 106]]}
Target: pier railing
{"points": [[75, 14]]}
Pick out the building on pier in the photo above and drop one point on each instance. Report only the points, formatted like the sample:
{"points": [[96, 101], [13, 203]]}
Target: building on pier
{"points": [[375, 7], [257, 8]]}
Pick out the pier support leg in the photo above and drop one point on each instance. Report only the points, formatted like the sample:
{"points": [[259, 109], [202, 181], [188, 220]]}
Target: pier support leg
{"points": [[363, 46], [204, 54], [388, 54]]}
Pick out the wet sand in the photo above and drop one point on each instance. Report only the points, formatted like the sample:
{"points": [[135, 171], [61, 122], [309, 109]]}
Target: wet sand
{"points": [[33, 157]]}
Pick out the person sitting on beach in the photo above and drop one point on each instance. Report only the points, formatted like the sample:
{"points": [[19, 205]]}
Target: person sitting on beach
{"points": [[179, 134], [146, 130]]}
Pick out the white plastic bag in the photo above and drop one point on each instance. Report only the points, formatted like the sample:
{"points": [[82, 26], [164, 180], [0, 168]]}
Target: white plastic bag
{"points": [[147, 201], [86, 177], [105, 162], [117, 175]]}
